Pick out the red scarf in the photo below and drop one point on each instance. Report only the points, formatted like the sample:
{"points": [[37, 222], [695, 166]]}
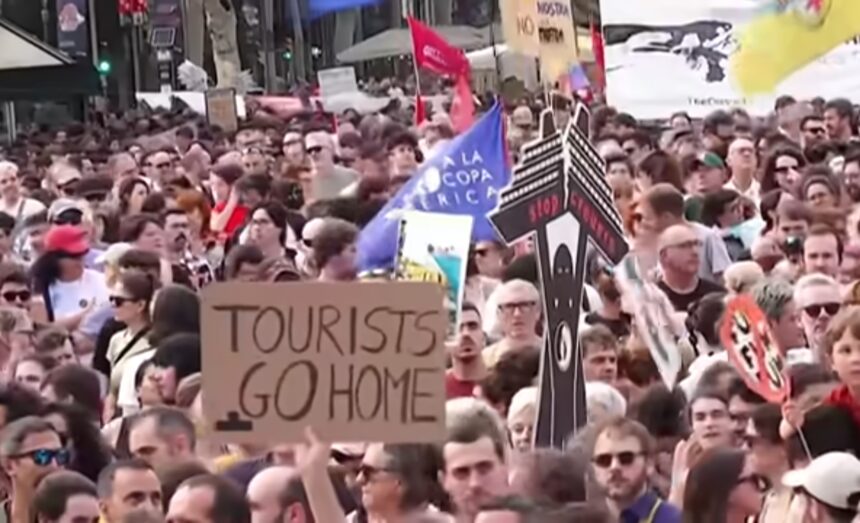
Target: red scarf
{"points": [[841, 397]]}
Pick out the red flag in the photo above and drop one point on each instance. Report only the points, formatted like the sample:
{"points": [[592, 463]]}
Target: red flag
{"points": [[432, 52], [463, 105], [597, 49], [420, 109]]}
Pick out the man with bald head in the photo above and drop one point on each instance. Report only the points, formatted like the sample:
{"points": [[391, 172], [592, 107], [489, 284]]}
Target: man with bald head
{"points": [[264, 492], [518, 313], [679, 250], [742, 162], [329, 179]]}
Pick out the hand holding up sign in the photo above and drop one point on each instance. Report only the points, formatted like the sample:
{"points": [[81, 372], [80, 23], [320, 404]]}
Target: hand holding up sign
{"points": [[312, 460]]}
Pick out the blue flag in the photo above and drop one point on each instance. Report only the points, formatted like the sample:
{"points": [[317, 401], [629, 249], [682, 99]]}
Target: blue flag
{"points": [[464, 177]]}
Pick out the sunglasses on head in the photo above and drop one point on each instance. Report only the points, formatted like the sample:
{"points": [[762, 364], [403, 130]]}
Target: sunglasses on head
{"points": [[44, 457], [814, 311], [11, 296], [626, 459]]}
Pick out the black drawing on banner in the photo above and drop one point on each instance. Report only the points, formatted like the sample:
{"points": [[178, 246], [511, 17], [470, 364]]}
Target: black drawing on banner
{"points": [[559, 194], [705, 45]]}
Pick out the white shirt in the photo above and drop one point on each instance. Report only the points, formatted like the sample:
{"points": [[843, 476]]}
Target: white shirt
{"points": [[69, 298], [753, 192], [126, 398], [23, 208]]}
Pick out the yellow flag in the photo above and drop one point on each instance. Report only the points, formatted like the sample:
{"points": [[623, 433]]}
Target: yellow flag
{"points": [[776, 44]]}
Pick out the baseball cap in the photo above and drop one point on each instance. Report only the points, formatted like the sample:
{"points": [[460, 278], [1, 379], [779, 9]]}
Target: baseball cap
{"points": [[708, 159], [69, 239], [62, 206], [832, 478]]}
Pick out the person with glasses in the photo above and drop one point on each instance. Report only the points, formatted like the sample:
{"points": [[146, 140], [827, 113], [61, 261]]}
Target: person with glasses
{"points": [[130, 298], [679, 250], [15, 288], [63, 178], [819, 299], [89, 453], [518, 313], [30, 450], [813, 131], [157, 167], [621, 457], [329, 179], [782, 170], [12, 202], [723, 487]]}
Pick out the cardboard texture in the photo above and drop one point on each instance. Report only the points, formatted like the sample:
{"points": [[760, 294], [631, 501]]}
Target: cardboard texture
{"points": [[355, 361], [221, 108], [559, 194], [747, 337]]}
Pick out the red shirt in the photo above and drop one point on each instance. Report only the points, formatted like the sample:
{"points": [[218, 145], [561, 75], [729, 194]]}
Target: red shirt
{"points": [[457, 388], [842, 398], [240, 212]]}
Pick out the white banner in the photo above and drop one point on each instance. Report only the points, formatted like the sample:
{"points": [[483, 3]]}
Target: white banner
{"points": [[664, 56]]}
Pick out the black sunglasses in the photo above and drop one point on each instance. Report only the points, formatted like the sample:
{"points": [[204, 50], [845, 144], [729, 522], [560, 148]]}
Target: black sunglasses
{"points": [[11, 296], [369, 471], [119, 301], [315, 149], [44, 457], [625, 458], [814, 311]]}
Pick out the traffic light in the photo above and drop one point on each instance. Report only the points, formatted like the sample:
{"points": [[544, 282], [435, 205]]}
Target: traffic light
{"points": [[287, 55], [104, 67]]}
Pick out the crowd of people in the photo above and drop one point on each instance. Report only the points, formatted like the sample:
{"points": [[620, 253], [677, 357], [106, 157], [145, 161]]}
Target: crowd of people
{"points": [[109, 231]]}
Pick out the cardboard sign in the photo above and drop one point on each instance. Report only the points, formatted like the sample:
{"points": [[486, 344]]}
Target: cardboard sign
{"points": [[747, 337], [559, 196], [652, 318], [434, 247], [335, 81], [355, 361], [221, 109]]}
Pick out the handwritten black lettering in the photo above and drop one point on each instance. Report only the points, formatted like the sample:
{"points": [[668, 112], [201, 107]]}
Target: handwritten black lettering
{"points": [[392, 383], [416, 376], [279, 322], [313, 379], [363, 392], [263, 406], [325, 326], [381, 332], [335, 392], [419, 326], [234, 311], [294, 329], [398, 348]]}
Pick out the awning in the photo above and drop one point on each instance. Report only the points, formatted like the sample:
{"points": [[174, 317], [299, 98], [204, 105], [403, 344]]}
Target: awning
{"points": [[31, 69], [396, 42]]}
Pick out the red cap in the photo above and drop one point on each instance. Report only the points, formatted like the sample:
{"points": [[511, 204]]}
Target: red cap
{"points": [[70, 239]]}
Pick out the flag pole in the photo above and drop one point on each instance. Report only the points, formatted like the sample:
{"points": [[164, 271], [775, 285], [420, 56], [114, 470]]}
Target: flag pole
{"points": [[494, 6], [418, 101]]}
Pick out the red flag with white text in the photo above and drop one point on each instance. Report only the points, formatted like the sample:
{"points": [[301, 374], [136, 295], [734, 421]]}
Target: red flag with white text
{"points": [[463, 105], [432, 52]]}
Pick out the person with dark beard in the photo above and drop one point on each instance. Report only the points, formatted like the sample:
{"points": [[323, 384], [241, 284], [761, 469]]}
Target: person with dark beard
{"points": [[177, 236], [467, 365]]}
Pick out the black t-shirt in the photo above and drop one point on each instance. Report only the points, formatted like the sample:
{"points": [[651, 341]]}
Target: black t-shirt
{"points": [[682, 302]]}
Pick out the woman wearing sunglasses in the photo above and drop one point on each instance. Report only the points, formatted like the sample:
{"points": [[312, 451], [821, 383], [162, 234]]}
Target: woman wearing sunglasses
{"points": [[130, 299], [722, 488]]}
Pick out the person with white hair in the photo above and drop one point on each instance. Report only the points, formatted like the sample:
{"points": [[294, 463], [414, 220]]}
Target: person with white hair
{"points": [[12, 202], [819, 298], [518, 312], [603, 401]]}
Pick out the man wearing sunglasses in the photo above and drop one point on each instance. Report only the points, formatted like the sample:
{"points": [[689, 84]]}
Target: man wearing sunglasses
{"points": [[621, 457], [819, 299], [328, 178], [30, 450], [157, 166]]}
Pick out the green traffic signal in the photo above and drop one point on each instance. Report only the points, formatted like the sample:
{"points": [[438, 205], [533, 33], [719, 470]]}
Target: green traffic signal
{"points": [[104, 67], [288, 55]]}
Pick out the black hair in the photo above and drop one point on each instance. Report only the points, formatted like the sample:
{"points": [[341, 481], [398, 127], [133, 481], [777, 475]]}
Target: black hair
{"points": [[89, 451], [7, 223], [53, 493], [79, 385], [180, 352], [240, 255], [126, 187], [277, 213], [107, 475], [133, 226], [709, 483]]}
